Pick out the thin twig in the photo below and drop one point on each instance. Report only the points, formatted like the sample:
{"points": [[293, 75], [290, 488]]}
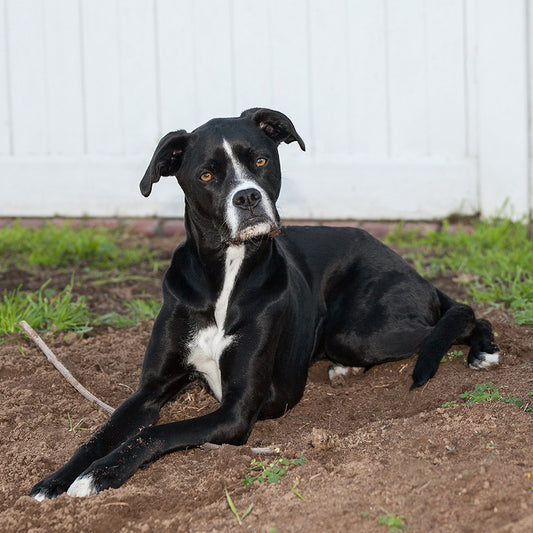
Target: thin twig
{"points": [[259, 451], [61, 368]]}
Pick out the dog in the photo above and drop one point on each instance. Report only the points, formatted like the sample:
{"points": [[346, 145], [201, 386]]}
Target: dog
{"points": [[249, 306]]}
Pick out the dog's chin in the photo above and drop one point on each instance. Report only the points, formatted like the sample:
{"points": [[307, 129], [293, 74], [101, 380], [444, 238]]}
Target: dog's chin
{"points": [[253, 231]]}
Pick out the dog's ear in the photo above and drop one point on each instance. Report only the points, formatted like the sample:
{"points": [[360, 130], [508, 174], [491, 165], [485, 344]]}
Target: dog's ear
{"points": [[274, 124], [166, 160]]}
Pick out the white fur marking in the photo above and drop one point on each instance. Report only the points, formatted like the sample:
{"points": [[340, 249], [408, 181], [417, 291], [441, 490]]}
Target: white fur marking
{"points": [[342, 371], [244, 181], [209, 343], [82, 487], [40, 496], [485, 360]]}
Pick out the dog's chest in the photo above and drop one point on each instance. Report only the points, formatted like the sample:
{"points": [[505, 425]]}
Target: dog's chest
{"points": [[209, 343]]}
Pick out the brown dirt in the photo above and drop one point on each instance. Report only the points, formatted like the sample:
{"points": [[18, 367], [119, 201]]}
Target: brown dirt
{"points": [[371, 446]]}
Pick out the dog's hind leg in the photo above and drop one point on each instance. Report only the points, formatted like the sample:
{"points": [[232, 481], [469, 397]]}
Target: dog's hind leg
{"points": [[457, 320], [458, 324], [483, 351]]}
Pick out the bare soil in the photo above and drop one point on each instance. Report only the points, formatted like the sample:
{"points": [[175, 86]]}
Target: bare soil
{"points": [[371, 445]]}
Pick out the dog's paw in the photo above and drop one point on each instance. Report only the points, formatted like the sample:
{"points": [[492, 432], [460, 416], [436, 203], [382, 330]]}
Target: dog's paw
{"points": [[83, 486], [337, 374], [484, 360], [49, 488]]}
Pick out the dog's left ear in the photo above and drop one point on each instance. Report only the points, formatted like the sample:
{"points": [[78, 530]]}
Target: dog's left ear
{"points": [[275, 125], [166, 160]]}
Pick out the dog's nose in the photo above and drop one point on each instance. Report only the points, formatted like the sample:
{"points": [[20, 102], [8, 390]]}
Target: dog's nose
{"points": [[247, 198]]}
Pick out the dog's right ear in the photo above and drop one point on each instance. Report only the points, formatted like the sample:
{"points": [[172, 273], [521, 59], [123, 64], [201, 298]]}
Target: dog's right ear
{"points": [[166, 160]]}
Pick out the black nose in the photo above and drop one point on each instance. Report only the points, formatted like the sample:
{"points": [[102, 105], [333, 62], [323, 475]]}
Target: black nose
{"points": [[247, 198]]}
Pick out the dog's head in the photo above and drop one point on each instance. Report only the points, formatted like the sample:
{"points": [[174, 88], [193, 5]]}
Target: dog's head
{"points": [[229, 171]]}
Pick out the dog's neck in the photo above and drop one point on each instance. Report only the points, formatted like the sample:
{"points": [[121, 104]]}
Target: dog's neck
{"points": [[210, 247]]}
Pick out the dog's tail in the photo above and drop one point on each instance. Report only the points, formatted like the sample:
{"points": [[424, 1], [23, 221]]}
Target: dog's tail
{"points": [[457, 325]]}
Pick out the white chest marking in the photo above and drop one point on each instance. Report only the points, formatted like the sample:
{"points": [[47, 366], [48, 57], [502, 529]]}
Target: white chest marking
{"points": [[209, 343]]}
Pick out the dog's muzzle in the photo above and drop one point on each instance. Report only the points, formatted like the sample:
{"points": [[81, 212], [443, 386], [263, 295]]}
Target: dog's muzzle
{"points": [[252, 215]]}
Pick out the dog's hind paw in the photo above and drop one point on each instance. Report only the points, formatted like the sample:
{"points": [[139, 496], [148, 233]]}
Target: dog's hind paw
{"points": [[82, 487], [484, 360], [338, 373]]}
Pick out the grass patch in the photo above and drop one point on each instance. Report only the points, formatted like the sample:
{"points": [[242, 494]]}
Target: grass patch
{"points": [[44, 310], [137, 310], [52, 247], [49, 310], [491, 258], [487, 392]]}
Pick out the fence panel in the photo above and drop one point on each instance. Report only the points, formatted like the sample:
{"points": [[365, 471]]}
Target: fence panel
{"points": [[410, 109]]}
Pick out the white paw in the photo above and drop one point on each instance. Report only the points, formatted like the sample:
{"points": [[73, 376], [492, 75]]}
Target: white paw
{"points": [[40, 496], [484, 360], [337, 373], [83, 486]]}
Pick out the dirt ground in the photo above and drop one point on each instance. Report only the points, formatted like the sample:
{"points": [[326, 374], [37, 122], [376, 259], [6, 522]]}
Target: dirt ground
{"points": [[372, 447]]}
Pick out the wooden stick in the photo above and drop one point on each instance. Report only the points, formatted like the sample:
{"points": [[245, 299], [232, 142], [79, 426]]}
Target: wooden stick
{"points": [[61, 368], [260, 451]]}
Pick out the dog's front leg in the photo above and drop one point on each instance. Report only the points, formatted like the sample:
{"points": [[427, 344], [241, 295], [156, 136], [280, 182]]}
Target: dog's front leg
{"points": [[164, 375], [225, 425], [138, 411], [246, 376]]}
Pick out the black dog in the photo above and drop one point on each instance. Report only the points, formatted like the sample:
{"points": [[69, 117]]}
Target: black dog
{"points": [[249, 310]]}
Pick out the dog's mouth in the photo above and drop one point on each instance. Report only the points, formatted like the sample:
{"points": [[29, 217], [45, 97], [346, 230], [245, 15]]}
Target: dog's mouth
{"points": [[255, 227]]}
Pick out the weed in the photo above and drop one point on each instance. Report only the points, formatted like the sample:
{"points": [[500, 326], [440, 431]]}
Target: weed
{"points": [[234, 510], [79, 426], [44, 310], [487, 392], [484, 392], [493, 261], [273, 472], [293, 488], [449, 404], [394, 522], [450, 356]]}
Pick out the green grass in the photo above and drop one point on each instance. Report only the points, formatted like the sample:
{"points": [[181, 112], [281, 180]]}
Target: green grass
{"points": [[48, 310], [52, 247], [393, 522], [94, 249], [43, 310], [137, 310], [487, 392], [271, 472], [234, 509], [492, 258]]}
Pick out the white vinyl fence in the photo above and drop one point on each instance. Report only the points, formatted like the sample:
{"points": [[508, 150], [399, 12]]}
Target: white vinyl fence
{"points": [[409, 108]]}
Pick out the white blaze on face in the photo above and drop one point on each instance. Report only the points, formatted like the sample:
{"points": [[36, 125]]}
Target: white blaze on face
{"points": [[244, 180]]}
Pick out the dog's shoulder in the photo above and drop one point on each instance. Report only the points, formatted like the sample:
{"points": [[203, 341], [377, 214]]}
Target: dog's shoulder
{"points": [[328, 241]]}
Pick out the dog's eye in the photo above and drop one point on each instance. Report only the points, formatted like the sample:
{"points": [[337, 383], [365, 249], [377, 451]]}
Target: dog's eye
{"points": [[206, 176], [260, 162]]}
